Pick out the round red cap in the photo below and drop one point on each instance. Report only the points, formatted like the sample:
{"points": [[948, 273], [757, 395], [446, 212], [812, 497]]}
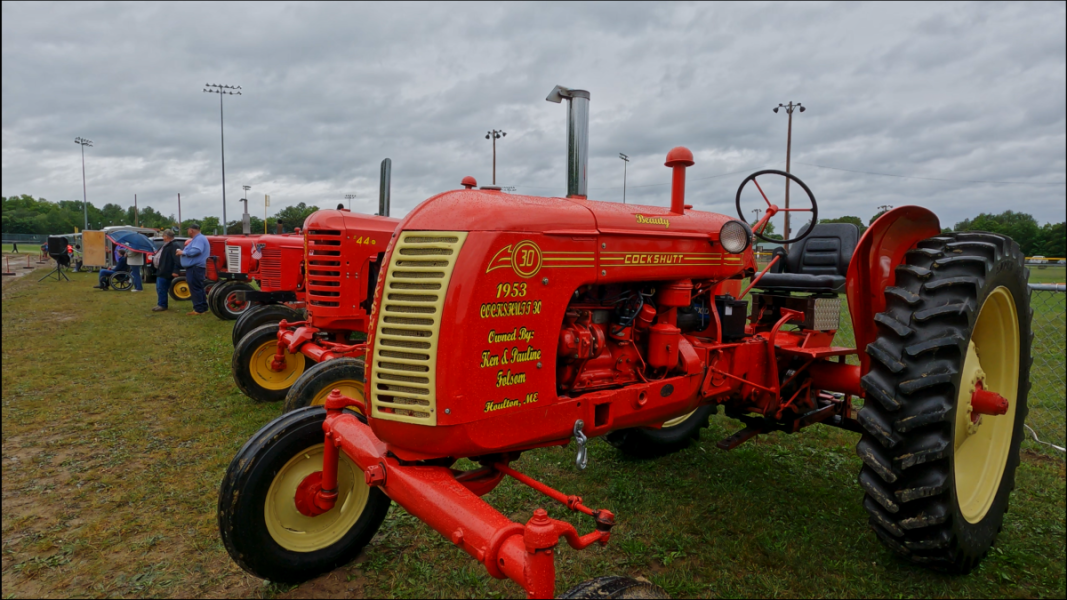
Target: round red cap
{"points": [[679, 157]]}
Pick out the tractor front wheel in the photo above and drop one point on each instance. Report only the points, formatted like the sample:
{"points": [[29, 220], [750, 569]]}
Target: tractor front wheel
{"points": [[675, 435], [614, 586], [225, 303], [253, 361], [259, 522], [179, 289], [946, 399], [260, 315], [344, 374]]}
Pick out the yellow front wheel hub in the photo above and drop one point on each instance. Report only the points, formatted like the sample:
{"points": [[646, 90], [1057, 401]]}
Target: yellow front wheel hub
{"points": [[266, 377], [981, 449], [348, 387], [297, 532], [182, 291], [677, 420]]}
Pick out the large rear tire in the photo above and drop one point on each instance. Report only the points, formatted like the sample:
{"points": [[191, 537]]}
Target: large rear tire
{"points": [[258, 521], [251, 366], [260, 315], [225, 304], [937, 483], [312, 388], [674, 436]]}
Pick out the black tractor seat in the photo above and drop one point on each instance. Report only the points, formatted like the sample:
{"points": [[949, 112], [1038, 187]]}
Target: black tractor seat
{"points": [[817, 263]]}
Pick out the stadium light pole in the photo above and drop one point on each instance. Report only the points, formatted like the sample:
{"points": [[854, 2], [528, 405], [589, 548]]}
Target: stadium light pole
{"points": [[789, 108], [625, 163], [83, 142], [349, 197], [494, 135], [222, 90]]}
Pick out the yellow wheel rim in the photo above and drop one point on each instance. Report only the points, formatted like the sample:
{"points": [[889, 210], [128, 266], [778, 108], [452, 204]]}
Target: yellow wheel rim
{"points": [[267, 378], [300, 533], [182, 291], [677, 420], [981, 450], [348, 387]]}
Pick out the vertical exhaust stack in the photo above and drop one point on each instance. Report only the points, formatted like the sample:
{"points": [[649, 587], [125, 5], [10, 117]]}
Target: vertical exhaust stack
{"points": [[577, 138], [384, 188]]}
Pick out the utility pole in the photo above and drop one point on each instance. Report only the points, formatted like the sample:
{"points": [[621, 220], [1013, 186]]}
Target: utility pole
{"points": [[136, 216], [789, 108], [223, 90], [266, 203], [494, 135], [625, 163], [757, 211], [179, 214], [246, 219], [85, 199], [350, 197]]}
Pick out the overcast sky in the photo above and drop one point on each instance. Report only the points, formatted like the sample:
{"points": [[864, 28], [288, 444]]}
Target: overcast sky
{"points": [[944, 91]]}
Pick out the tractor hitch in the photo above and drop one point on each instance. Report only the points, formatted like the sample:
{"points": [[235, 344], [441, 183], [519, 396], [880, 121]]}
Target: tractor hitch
{"points": [[442, 499]]}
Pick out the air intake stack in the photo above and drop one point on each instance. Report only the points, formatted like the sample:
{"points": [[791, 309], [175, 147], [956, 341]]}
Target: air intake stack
{"points": [[577, 138]]}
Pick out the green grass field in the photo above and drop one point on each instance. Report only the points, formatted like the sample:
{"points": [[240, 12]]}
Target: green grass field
{"points": [[118, 424]]}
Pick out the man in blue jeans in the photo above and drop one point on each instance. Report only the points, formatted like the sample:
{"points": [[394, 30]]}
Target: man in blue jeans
{"points": [[194, 261], [166, 270]]}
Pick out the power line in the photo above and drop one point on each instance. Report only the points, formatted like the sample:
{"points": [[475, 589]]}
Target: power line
{"points": [[934, 178]]}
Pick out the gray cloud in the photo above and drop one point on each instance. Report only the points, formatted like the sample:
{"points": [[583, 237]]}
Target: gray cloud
{"points": [[949, 91]]}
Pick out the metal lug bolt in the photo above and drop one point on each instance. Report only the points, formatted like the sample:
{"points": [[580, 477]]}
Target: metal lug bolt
{"points": [[603, 273], [539, 365], [545, 281], [448, 411]]}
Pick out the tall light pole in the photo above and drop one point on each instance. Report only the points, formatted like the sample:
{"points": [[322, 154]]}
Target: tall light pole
{"points": [[83, 142], [494, 135], [626, 163], [350, 197], [789, 108], [246, 220], [757, 211], [223, 90]]}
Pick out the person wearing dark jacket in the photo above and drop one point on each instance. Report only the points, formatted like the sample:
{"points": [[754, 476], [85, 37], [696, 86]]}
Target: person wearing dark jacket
{"points": [[166, 270], [121, 266]]}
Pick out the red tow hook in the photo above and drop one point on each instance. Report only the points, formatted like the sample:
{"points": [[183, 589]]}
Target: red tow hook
{"points": [[317, 493], [985, 402], [279, 356]]}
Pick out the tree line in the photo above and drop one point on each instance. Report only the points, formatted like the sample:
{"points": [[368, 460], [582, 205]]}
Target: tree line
{"points": [[1048, 240], [26, 214]]}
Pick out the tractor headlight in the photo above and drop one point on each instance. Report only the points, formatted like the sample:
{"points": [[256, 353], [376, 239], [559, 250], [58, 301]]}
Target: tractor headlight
{"points": [[734, 237]]}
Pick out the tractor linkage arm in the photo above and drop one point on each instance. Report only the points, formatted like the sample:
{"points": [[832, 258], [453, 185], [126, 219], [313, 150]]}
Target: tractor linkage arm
{"points": [[294, 337], [437, 496]]}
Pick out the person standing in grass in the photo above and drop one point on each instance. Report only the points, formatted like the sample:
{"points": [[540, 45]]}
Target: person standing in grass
{"points": [[194, 261], [166, 270], [120, 266]]}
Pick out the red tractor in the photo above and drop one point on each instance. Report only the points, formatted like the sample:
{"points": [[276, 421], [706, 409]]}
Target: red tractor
{"points": [[338, 260], [273, 262], [506, 323]]}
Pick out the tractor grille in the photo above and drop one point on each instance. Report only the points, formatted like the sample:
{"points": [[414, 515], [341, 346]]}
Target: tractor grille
{"points": [[409, 321], [323, 267], [270, 269], [233, 259]]}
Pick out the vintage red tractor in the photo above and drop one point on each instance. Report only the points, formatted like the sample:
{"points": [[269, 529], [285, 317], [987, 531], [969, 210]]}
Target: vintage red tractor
{"points": [[338, 261], [505, 323]]}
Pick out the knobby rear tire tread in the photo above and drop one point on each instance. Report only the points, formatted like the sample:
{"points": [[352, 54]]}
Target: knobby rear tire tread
{"points": [[909, 417]]}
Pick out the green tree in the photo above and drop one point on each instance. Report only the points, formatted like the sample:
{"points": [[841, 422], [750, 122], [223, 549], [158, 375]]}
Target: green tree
{"points": [[1021, 227], [858, 222], [875, 217], [1053, 240], [294, 216]]}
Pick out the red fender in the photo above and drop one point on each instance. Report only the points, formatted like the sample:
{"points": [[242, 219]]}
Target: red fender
{"points": [[873, 265]]}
